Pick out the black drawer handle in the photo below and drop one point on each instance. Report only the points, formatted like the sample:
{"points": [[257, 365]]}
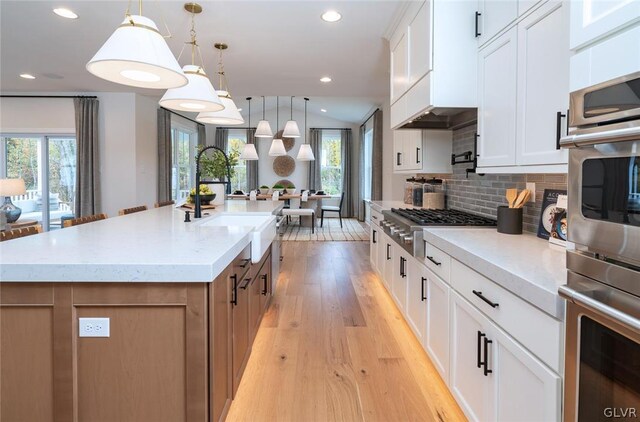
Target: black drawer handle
{"points": [[430, 258], [246, 262], [398, 159], [245, 285], [388, 252], [264, 290], [481, 296], [424, 280], [478, 14], [417, 155], [375, 240], [234, 291], [479, 359], [559, 116], [487, 371]]}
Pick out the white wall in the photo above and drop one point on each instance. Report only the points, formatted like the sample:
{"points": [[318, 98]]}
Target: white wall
{"points": [[26, 115], [392, 184]]}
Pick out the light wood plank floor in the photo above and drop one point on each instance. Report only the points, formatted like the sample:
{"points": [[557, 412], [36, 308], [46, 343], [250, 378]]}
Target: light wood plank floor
{"points": [[334, 347]]}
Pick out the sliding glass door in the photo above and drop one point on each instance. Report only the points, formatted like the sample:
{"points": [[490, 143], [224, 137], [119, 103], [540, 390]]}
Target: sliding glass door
{"points": [[48, 166]]}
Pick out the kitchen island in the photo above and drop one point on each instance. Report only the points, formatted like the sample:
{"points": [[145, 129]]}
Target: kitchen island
{"points": [[183, 302]]}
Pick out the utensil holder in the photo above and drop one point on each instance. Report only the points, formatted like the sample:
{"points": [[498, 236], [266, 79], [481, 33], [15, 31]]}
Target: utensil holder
{"points": [[509, 220]]}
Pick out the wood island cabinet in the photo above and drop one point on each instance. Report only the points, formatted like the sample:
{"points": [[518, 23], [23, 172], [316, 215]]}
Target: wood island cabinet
{"points": [[176, 351]]}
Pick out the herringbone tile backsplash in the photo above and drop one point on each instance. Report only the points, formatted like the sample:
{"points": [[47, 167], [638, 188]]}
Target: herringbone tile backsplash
{"points": [[483, 194]]}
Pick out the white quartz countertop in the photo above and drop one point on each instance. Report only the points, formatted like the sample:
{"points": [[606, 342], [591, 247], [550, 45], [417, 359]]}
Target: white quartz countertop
{"points": [[387, 205], [149, 246], [524, 264]]}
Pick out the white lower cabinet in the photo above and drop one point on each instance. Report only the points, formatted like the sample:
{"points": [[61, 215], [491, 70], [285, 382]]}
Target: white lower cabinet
{"points": [[436, 340], [400, 275], [416, 311], [374, 243], [492, 376], [388, 259]]}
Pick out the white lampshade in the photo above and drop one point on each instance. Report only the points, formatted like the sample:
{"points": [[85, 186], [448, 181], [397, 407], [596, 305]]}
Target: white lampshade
{"points": [[291, 130], [136, 54], [277, 148], [263, 130], [229, 116], [249, 152], [305, 153], [12, 187], [197, 95]]}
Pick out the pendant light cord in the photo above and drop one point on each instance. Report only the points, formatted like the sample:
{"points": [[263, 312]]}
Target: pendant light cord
{"points": [[263, 107], [305, 119], [277, 113], [249, 99], [292, 107]]}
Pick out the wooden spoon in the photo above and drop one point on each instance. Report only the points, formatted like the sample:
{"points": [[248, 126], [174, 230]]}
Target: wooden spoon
{"points": [[522, 198], [512, 194]]}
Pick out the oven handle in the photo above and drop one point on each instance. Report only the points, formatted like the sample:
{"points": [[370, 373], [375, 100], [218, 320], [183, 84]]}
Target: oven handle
{"points": [[614, 135], [599, 307]]}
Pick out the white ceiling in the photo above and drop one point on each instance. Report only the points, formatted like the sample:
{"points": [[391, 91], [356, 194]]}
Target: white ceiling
{"points": [[275, 48]]}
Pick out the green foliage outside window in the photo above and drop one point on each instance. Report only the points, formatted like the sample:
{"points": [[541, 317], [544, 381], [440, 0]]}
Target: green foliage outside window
{"points": [[331, 165]]}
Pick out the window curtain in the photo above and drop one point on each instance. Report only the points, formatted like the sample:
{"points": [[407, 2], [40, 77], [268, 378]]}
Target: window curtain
{"points": [[360, 197], [164, 155], [222, 138], [315, 140], [87, 200], [347, 172], [252, 165], [376, 161]]}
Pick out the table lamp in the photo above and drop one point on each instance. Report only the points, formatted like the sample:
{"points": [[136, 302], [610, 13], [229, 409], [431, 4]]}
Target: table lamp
{"points": [[9, 188]]}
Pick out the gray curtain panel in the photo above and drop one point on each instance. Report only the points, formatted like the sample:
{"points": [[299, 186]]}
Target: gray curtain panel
{"points": [[87, 201], [360, 178], [202, 135], [315, 140], [221, 138], [347, 172], [164, 155], [376, 162], [252, 166]]}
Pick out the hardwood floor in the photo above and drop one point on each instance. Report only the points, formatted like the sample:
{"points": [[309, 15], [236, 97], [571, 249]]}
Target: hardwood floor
{"points": [[333, 346]]}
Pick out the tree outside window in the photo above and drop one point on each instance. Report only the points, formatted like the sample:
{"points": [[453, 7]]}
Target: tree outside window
{"points": [[331, 162], [236, 140]]}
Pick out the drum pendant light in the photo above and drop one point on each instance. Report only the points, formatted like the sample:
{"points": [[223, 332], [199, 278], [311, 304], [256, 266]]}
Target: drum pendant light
{"points": [[230, 115], [198, 94], [305, 153], [249, 151], [264, 129], [136, 54], [277, 146], [291, 128]]}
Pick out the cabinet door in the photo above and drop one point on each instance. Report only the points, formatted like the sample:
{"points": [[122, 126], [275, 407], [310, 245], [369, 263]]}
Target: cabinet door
{"points": [[400, 274], [543, 90], [382, 256], [412, 150], [537, 395], [373, 246], [495, 15], [594, 19], [497, 101], [420, 44], [399, 66], [255, 310], [240, 328], [221, 387], [389, 260], [399, 158], [266, 285], [469, 385], [416, 311], [436, 340]]}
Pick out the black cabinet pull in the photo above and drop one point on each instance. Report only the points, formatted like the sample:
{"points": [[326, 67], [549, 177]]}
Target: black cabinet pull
{"points": [[403, 269], [375, 240], [487, 371], [264, 290], [417, 155], [246, 262], [245, 285], [481, 296], [388, 252], [478, 14], [424, 280], [234, 291], [398, 159], [430, 258], [559, 116], [479, 359]]}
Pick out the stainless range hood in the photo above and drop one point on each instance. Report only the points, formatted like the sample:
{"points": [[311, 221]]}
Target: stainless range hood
{"points": [[443, 118]]}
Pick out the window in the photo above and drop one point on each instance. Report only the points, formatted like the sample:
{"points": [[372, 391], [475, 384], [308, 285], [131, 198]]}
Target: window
{"points": [[331, 162], [368, 163], [47, 163], [184, 141], [236, 140]]}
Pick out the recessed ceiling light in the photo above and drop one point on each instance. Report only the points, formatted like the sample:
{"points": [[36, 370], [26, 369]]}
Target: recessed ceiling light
{"points": [[27, 76], [325, 79], [65, 13], [331, 16], [323, 110]]}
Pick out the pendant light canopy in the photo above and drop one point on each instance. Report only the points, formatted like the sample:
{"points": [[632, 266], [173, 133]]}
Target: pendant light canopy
{"points": [[264, 128], [198, 94], [136, 54], [305, 153], [277, 146], [230, 115], [249, 151], [291, 128]]}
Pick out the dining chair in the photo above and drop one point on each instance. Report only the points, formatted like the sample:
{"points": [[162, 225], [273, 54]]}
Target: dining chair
{"points": [[126, 211], [300, 212], [83, 220], [332, 208], [164, 203], [21, 232]]}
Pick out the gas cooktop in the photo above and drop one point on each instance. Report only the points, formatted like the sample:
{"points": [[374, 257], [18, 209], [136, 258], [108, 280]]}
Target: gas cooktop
{"points": [[423, 217]]}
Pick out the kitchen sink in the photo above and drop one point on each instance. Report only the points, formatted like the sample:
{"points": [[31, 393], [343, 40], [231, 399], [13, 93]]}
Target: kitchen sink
{"points": [[262, 234]]}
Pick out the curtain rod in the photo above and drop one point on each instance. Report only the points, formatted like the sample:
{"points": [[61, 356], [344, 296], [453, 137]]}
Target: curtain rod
{"points": [[184, 117], [370, 116], [48, 96], [330, 128]]}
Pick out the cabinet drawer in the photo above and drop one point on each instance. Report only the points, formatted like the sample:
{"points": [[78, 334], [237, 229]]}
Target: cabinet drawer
{"points": [[437, 261], [242, 263], [376, 217], [537, 331]]}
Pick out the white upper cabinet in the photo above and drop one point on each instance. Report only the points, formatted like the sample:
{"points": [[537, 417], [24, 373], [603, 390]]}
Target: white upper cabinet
{"points": [[493, 16], [543, 89], [595, 19], [422, 151], [497, 85], [399, 66], [420, 44]]}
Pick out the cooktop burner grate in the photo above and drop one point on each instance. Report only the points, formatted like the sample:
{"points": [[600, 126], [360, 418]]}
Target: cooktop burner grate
{"points": [[443, 217]]}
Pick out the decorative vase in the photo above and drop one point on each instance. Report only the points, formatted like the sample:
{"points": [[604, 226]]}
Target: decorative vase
{"points": [[219, 191]]}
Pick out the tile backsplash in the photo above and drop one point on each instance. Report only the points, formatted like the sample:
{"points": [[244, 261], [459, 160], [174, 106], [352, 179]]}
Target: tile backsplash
{"points": [[483, 194]]}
